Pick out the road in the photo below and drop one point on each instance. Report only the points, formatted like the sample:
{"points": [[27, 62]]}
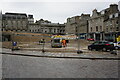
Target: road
{"points": [[14, 66]]}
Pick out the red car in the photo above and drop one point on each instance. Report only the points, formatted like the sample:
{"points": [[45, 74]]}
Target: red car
{"points": [[90, 39]]}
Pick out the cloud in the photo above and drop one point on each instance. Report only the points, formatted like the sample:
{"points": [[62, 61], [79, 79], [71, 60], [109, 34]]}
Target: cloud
{"points": [[60, 0], [54, 11]]}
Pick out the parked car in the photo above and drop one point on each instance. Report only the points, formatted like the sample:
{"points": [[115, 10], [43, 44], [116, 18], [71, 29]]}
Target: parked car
{"points": [[90, 39], [102, 45], [56, 43], [117, 45]]}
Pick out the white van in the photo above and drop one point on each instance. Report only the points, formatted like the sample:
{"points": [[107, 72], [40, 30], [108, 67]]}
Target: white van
{"points": [[56, 43]]}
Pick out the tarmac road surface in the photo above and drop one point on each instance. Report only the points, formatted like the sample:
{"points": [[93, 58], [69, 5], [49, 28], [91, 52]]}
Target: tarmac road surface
{"points": [[14, 66]]}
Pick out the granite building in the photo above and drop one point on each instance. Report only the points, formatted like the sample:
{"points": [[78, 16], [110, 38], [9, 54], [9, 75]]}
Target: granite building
{"points": [[45, 26], [105, 25], [78, 25], [72, 25], [30, 19], [34, 28], [83, 25], [96, 25], [14, 22], [111, 22]]}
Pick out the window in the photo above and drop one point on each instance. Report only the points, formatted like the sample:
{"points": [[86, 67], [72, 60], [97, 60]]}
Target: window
{"points": [[116, 14], [45, 31], [50, 30], [110, 16], [100, 28], [116, 22], [58, 30], [111, 29], [113, 16], [76, 29], [107, 29], [96, 28], [103, 12], [54, 30], [117, 28], [91, 29]]}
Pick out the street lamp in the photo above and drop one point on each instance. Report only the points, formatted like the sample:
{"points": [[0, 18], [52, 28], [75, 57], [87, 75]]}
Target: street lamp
{"points": [[43, 41], [78, 51]]}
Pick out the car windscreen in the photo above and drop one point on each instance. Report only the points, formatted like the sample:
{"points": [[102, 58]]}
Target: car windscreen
{"points": [[110, 43]]}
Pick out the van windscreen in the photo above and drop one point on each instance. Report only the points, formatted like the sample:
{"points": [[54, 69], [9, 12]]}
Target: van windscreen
{"points": [[56, 40]]}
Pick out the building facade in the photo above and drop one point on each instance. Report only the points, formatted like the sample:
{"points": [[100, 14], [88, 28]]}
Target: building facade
{"points": [[14, 22], [83, 25], [112, 22], [104, 25], [30, 19], [34, 28], [78, 25], [96, 25], [45, 26], [72, 25], [53, 28]]}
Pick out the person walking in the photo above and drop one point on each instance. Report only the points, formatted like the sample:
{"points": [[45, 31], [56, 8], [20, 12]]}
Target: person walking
{"points": [[64, 43]]}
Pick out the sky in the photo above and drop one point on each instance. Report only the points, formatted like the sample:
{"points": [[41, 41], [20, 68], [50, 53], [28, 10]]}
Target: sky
{"points": [[56, 11]]}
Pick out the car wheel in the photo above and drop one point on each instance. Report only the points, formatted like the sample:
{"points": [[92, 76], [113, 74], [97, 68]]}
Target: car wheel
{"points": [[89, 48], [116, 47], [104, 49]]}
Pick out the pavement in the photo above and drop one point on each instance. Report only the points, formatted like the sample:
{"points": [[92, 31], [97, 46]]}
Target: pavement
{"points": [[36, 52]]}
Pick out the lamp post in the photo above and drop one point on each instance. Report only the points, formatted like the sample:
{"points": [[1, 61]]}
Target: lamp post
{"points": [[12, 36], [43, 50], [78, 51]]}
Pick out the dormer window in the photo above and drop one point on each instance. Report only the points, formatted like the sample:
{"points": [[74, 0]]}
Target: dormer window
{"points": [[103, 12], [111, 16], [116, 14]]}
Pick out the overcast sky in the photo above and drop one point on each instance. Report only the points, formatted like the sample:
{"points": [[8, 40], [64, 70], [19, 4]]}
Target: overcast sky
{"points": [[54, 10]]}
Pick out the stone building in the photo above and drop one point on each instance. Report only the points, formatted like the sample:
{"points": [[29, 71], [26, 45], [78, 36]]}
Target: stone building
{"points": [[96, 25], [111, 22], [83, 25], [14, 22], [104, 25], [45, 26], [72, 25], [53, 28], [34, 28], [30, 19], [0, 20], [78, 25]]}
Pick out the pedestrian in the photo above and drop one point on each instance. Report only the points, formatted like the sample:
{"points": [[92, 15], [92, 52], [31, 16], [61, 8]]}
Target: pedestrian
{"points": [[64, 43]]}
